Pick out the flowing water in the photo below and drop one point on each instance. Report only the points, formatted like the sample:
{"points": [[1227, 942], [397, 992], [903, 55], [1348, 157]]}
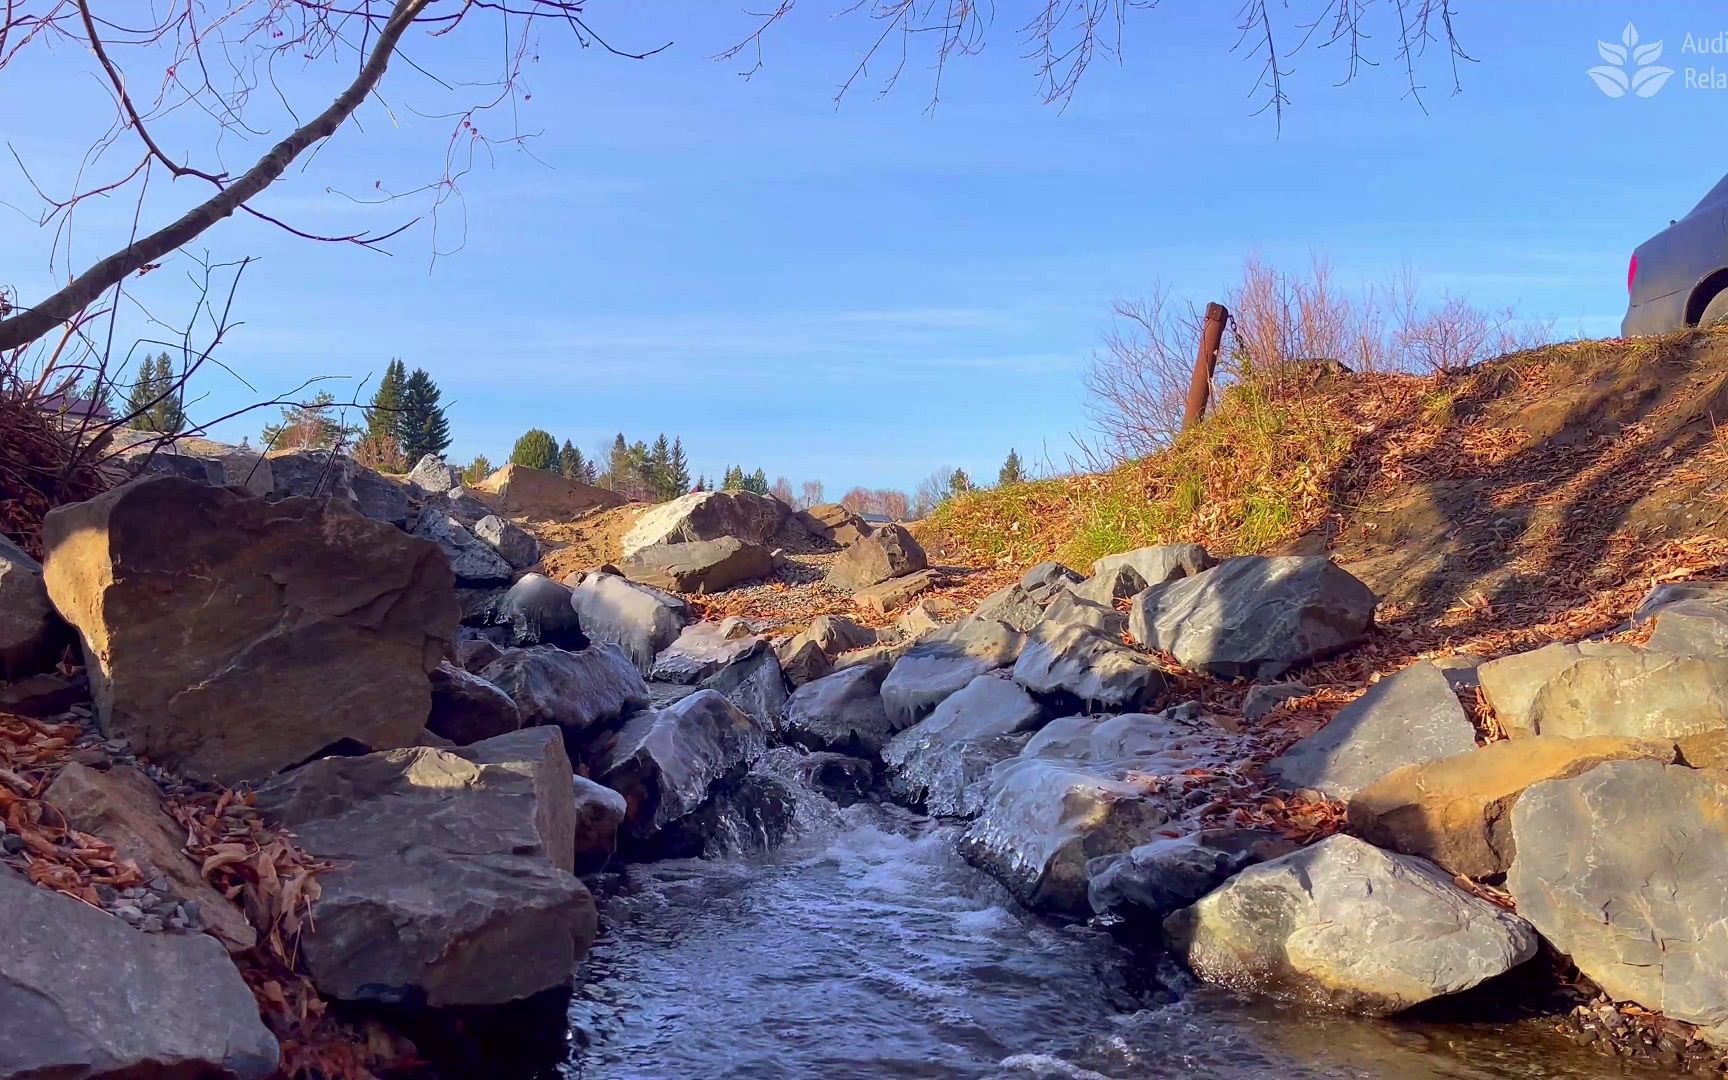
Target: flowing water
{"points": [[866, 948]]}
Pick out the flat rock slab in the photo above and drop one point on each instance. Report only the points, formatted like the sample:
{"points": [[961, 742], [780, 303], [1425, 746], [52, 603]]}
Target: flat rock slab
{"points": [[1607, 689], [1621, 868], [1458, 811], [834, 523], [542, 496], [1348, 926], [1404, 719], [83, 995], [229, 636], [944, 662], [1158, 564], [707, 515], [702, 566], [885, 596], [1255, 616], [704, 648]]}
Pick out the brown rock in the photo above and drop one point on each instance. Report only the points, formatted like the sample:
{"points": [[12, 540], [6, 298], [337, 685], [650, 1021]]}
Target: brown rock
{"points": [[467, 708], [885, 596], [703, 566], [810, 655], [1458, 811], [123, 807], [889, 552], [834, 522], [539, 495], [230, 637]]}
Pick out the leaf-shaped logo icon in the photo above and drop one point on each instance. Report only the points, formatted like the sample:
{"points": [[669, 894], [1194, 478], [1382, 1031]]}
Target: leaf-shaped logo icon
{"points": [[1646, 81], [1611, 81], [1647, 54], [1614, 54], [1629, 35]]}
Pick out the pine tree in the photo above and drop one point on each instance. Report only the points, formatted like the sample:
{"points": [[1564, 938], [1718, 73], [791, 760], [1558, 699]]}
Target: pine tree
{"points": [[618, 465], [477, 470], [757, 483], [422, 428], [572, 464], [959, 483], [1011, 472], [139, 396], [170, 417], [658, 469], [154, 397], [733, 480], [536, 449], [679, 479], [383, 416]]}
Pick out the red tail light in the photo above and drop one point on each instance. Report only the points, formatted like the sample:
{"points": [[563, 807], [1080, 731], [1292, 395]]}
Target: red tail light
{"points": [[1632, 271]]}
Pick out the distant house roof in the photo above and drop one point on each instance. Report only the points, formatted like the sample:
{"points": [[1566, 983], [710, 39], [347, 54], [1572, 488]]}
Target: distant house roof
{"points": [[74, 407], [877, 519]]}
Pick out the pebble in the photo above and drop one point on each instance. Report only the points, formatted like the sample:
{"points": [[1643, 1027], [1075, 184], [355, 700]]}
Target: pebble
{"points": [[11, 843], [129, 914]]}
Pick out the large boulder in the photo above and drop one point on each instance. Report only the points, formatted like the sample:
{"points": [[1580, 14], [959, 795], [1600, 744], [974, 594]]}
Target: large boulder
{"points": [[888, 552], [537, 611], [1148, 883], [1458, 811], [325, 474], [1073, 609], [468, 709], [123, 808], [1690, 617], [639, 619], [458, 889], [842, 712], [83, 995], [1254, 616], [1157, 564], [943, 761], [229, 637], [666, 763], [1045, 819], [1404, 719], [1600, 688], [1077, 664], [754, 684], [1346, 925], [701, 566], [704, 648], [1621, 868], [519, 491], [432, 475], [834, 523], [31, 634], [707, 515], [943, 663], [577, 691], [472, 560], [509, 540]]}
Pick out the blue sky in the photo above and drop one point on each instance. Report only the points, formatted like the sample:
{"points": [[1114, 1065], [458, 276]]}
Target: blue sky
{"points": [[862, 293]]}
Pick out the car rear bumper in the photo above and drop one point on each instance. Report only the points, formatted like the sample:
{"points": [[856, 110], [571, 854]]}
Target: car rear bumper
{"points": [[1658, 315]]}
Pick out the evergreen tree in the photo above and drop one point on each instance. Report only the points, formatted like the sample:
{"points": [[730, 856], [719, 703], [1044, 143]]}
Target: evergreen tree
{"points": [[618, 465], [572, 464], [756, 483], [477, 470], [422, 428], [536, 449], [170, 417], [733, 480], [384, 416], [155, 398], [702, 483], [959, 483], [1011, 472], [658, 469], [680, 478]]}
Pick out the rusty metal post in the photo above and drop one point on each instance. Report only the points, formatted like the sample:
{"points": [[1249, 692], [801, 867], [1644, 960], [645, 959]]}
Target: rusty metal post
{"points": [[1211, 337]]}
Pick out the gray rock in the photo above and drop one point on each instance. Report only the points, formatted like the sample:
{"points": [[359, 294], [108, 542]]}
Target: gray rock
{"points": [[600, 812], [459, 890], [31, 634], [1346, 925], [576, 691], [1159, 563], [755, 685], [938, 762], [1265, 697], [467, 709], [1596, 688], [1165, 743], [1691, 618], [83, 995], [842, 712], [1404, 719], [943, 663], [811, 654], [707, 515], [1021, 605], [702, 566], [538, 611], [704, 648], [1621, 868], [432, 475], [846, 780], [474, 651], [1044, 819], [640, 619], [1072, 609], [1148, 883], [461, 504], [1077, 663], [888, 552], [509, 540], [471, 559], [834, 523], [338, 477], [1255, 617], [666, 763]]}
